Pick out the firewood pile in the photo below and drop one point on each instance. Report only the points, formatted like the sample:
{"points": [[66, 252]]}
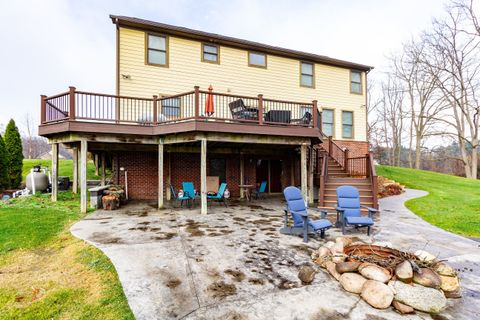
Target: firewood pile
{"points": [[113, 197], [387, 187], [385, 277]]}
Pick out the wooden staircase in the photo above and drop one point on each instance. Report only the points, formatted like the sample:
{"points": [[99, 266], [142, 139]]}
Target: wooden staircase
{"points": [[336, 168]]}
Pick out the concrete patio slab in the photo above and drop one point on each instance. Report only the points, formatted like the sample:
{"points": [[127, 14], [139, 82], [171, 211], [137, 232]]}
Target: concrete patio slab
{"points": [[234, 264]]}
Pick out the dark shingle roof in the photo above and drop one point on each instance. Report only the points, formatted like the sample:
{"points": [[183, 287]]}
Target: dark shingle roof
{"points": [[231, 41]]}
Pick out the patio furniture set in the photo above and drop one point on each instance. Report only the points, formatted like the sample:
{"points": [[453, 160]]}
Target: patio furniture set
{"points": [[242, 112], [348, 213], [188, 194]]}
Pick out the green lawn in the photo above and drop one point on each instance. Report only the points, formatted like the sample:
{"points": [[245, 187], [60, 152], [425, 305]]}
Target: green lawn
{"points": [[65, 167], [452, 204], [46, 273]]}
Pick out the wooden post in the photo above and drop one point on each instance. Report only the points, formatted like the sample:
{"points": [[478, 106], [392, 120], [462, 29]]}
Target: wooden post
{"points": [[303, 171], [75, 170], [203, 175], [269, 176], [315, 114], [197, 101], [83, 176], [292, 170], [95, 160], [169, 176], [345, 160], [242, 174], [160, 174], [54, 171], [330, 145], [155, 110], [43, 109], [310, 177], [71, 113], [260, 111], [103, 169]]}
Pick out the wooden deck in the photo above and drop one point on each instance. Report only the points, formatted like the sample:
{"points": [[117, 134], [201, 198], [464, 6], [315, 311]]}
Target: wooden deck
{"points": [[85, 112]]}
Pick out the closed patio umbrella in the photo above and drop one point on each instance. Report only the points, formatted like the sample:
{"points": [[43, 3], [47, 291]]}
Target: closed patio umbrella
{"points": [[209, 103]]}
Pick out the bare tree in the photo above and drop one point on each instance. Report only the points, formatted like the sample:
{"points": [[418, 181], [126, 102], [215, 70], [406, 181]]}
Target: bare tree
{"points": [[423, 103], [453, 61], [391, 114]]}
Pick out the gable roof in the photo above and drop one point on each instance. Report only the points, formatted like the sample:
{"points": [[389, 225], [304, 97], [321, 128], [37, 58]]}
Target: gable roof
{"points": [[183, 32]]}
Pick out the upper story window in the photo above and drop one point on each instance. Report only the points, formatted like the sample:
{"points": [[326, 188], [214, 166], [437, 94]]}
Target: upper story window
{"points": [[328, 122], [356, 82], [157, 50], [170, 108], [210, 53], [307, 78], [347, 124], [256, 59]]}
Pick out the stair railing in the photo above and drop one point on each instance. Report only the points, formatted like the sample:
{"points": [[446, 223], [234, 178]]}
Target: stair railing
{"points": [[372, 175], [323, 178], [337, 153]]}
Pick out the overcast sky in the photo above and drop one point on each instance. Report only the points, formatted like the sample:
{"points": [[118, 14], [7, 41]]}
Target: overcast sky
{"points": [[45, 46]]}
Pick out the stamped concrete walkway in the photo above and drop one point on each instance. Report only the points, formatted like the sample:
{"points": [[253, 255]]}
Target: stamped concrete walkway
{"points": [[234, 264]]}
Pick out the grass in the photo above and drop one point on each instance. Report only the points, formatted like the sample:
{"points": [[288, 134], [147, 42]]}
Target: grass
{"points": [[65, 167], [46, 273], [452, 203]]}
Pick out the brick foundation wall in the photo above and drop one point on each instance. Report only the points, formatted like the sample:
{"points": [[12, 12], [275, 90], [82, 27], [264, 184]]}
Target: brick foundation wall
{"points": [[355, 148], [142, 168]]}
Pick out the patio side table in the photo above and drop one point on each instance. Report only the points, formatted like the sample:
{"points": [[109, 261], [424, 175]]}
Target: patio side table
{"points": [[246, 190]]}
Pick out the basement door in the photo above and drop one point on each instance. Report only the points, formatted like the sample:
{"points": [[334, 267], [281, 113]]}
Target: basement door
{"points": [[270, 171]]}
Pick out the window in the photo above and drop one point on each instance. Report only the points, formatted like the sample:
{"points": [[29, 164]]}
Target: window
{"points": [[327, 122], [210, 53], [170, 108], [306, 74], [347, 124], [355, 82], [256, 59], [156, 50]]}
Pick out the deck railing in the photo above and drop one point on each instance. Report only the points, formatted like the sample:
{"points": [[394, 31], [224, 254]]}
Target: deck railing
{"points": [[192, 105]]}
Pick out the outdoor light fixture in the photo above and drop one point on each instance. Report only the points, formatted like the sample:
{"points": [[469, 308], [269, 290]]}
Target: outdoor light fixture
{"points": [[126, 76]]}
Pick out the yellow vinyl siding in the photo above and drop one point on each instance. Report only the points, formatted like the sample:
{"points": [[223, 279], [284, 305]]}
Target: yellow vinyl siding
{"points": [[233, 75]]}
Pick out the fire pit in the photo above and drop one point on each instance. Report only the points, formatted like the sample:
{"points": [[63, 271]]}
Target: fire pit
{"points": [[384, 276]]}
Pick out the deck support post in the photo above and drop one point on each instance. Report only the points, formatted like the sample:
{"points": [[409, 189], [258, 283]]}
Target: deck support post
{"points": [[292, 171], [269, 175], [54, 171], [75, 170], [203, 175], [310, 177], [160, 175], [242, 175], [303, 171], [95, 159], [83, 176], [169, 176], [102, 169]]}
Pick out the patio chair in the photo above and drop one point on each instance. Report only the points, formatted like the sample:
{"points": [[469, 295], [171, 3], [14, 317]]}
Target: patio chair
{"points": [[240, 111], [301, 223], [177, 198], [260, 193], [219, 196], [349, 209], [189, 191], [305, 120]]}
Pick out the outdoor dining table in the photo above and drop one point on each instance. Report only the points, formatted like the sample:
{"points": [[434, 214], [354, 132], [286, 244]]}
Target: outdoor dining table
{"points": [[246, 190]]}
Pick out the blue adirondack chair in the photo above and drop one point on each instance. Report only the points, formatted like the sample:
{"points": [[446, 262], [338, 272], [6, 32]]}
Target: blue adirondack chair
{"points": [[348, 208], [189, 191], [260, 193], [177, 198], [219, 196], [301, 223]]}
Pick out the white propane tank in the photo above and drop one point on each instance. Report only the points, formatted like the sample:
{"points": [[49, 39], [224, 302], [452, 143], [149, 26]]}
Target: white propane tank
{"points": [[37, 181]]}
